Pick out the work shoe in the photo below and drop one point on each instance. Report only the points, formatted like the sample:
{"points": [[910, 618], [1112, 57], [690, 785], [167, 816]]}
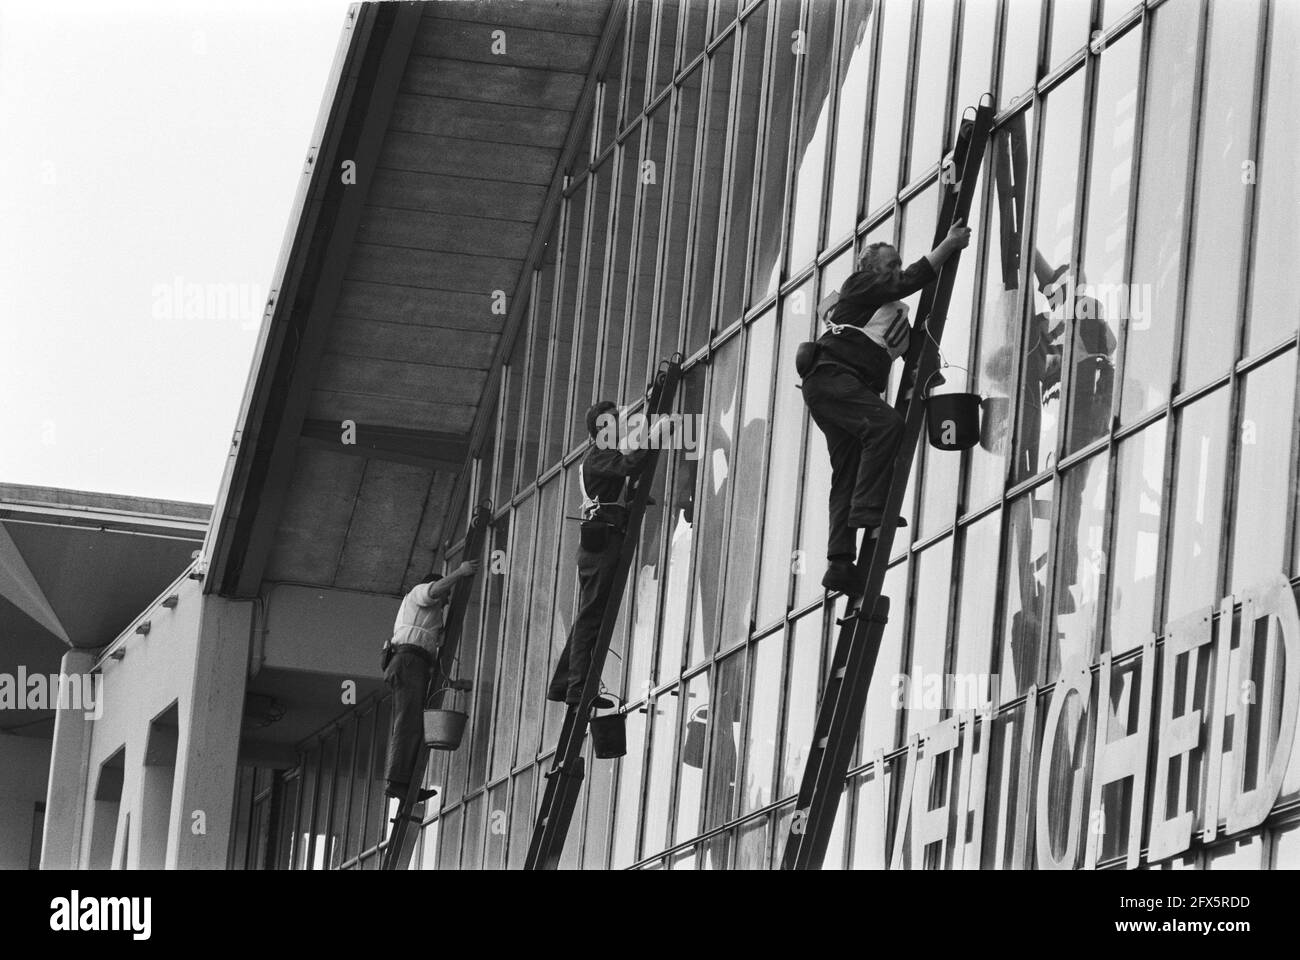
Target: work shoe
{"points": [[870, 519], [398, 791], [842, 576]]}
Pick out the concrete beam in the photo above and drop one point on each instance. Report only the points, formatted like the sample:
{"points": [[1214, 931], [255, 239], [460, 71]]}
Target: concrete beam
{"points": [[66, 789]]}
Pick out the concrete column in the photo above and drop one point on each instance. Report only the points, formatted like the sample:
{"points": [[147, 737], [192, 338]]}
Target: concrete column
{"points": [[208, 745], [66, 791]]}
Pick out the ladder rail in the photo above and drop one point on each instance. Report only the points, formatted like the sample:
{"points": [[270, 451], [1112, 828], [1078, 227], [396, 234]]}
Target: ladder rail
{"points": [[564, 781], [839, 715], [401, 821]]}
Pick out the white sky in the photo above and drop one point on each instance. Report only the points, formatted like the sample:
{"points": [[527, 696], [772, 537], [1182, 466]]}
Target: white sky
{"points": [[141, 142]]}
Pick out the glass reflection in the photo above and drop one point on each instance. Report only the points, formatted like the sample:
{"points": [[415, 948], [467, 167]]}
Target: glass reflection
{"points": [[851, 120], [1198, 505], [1025, 589], [1135, 556]]}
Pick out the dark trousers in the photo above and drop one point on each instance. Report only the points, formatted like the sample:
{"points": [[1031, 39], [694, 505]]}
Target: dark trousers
{"points": [[862, 435], [407, 677], [595, 577]]}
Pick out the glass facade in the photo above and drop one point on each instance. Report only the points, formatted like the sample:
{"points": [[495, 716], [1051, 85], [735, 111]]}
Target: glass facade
{"points": [[1122, 308]]}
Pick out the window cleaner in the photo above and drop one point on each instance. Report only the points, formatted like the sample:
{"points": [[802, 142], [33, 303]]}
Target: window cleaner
{"points": [[410, 658], [845, 375], [604, 477]]}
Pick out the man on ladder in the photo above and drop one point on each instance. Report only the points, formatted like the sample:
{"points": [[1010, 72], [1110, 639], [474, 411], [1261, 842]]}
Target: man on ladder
{"points": [[845, 374], [409, 659], [603, 477]]}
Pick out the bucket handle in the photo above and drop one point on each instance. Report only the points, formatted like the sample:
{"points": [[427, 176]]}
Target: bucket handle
{"points": [[925, 391], [449, 684], [600, 702]]}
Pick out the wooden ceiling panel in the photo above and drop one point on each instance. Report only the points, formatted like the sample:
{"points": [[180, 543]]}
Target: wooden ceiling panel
{"points": [[389, 508], [432, 414], [563, 16], [467, 273], [489, 122], [514, 46], [443, 232], [460, 195], [315, 517], [494, 83], [425, 153], [400, 380], [431, 529], [425, 307], [399, 341]]}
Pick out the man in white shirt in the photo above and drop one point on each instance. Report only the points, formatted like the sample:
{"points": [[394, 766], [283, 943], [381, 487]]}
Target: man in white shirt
{"points": [[409, 661]]}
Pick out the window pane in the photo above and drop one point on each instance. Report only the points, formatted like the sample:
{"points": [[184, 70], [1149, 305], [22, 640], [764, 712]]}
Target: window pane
{"points": [[1069, 28], [663, 740], [691, 760], [1020, 53], [1198, 504], [681, 517], [977, 586], [1024, 590], [652, 172], [610, 90], [774, 556], [1158, 245], [693, 27], [516, 616], [974, 76], [994, 370], [744, 130], [537, 633], [805, 676], [585, 367], [1213, 281], [628, 807], [776, 144], [716, 463], [926, 677], [891, 90], [540, 324], [764, 720], [485, 684], [1135, 555], [557, 439], [638, 58], [880, 719], [1274, 300], [1080, 563], [1054, 248], [728, 710], [750, 446], [1263, 461], [521, 818], [708, 236], [1100, 300], [933, 67], [814, 121], [665, 48], [851, 120], [515, 375], [616, 294], [674, 270]]}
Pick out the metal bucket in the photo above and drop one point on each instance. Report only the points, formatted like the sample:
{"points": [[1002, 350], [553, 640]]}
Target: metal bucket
{"points": [[953, 420], [443, 729], [608, 733]]}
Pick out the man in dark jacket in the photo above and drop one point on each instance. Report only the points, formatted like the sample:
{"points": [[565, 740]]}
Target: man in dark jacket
{"points": [[843, 384], [606, 476]]}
